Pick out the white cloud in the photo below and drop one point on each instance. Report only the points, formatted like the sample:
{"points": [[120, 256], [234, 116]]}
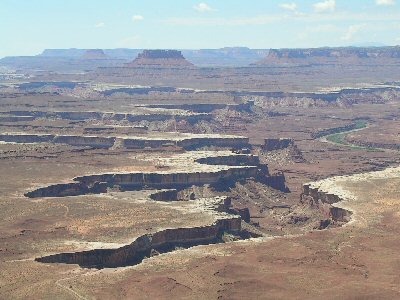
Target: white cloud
{"points": [[257, 20], [385, 2], [137, 18], [289, 6], [100, 25], [325, 6], [202, 7], [352, 31], [313, 18]]}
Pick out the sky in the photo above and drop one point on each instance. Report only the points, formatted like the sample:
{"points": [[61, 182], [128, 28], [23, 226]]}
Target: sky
{"points": [[27, 27]]}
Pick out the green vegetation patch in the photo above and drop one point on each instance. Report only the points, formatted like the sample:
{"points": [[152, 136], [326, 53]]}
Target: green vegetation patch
{"points": [[340, 138], [359, 124]]}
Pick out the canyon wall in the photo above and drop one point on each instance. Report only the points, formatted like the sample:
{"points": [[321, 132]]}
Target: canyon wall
{"points": [[234, 160], [134, 181], [89, 141], [322, 199], [187, 142], [165, 195], [26, 138], [16, 118], [162, 241], [92, 115], [277, 181], [277, 144]]}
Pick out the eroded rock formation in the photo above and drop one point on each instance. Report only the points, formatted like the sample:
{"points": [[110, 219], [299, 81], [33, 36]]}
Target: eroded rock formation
{"points": [[94, 54], [346, 55], [313, 194], [160, 58], [140, 142], [277, 181], [148, 114], [162, 241], [277, 144], [136, 181]]}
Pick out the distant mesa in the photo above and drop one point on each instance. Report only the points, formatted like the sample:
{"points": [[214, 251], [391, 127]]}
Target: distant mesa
{"points": [[161, 54], [345, 55], [93, 54], [160, 58]]}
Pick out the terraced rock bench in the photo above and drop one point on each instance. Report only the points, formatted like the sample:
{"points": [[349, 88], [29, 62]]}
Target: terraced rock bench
{"points": [[186, 141], [162, 241]]}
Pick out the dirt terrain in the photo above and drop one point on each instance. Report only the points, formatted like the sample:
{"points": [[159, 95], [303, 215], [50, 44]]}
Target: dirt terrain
{"points": [[385, 134], [176, 181]]}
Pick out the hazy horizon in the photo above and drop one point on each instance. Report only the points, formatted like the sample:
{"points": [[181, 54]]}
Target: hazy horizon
{"points": [[372, 45], [27, 28]]}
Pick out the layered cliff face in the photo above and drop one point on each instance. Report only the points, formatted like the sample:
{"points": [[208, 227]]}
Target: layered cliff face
{"points": [[281, 150], [219, 227], [16, 118], [349, 55], [143, 114], [160, 59], [188, 169], [185, 141], [94, 184], [359, 199], [326, 200], [277, 144], [148, 245]]}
